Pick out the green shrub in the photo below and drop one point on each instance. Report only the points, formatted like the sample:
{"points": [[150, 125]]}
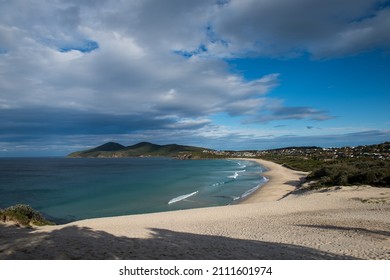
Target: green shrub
{"points": [[327, 172], [23, 215], [353, 172]]}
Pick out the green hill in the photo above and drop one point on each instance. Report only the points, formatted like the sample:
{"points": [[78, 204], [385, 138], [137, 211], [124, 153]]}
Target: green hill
{"points": [[143, 149], [109, 147]]}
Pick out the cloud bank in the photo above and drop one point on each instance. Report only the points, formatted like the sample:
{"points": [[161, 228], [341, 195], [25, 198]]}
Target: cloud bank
{"points": [[120, 67]]}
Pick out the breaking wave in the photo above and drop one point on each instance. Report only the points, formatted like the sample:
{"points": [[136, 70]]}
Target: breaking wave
{"points": [[181, 197], [235, 175]]}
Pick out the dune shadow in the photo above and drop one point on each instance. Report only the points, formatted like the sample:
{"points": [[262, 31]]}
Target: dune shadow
{"points": [[73, 242], [294, 183]]}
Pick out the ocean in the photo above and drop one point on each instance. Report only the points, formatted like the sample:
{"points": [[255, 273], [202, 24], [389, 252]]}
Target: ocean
{"points": [[69, 189]]}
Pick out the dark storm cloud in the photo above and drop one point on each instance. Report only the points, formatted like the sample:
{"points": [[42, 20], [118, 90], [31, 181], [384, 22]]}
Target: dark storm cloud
{"points": [[44, 121]]}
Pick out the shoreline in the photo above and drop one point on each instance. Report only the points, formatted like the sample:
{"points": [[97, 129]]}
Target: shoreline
{"points": [[281, 182], [339, 223]]}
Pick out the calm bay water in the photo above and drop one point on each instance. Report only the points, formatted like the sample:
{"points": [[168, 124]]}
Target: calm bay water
{"points": [[67, 189]]}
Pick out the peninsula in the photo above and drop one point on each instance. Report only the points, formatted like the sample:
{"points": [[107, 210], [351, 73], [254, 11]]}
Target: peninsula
{"points": [[142, 149]]}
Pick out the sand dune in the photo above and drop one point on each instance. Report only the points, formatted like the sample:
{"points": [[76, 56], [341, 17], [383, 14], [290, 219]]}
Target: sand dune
{"points": [[340, 223]]}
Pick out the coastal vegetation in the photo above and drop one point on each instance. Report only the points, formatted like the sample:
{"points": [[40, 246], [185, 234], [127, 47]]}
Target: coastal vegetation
{"points": [[23, 215], [362, 165], [347, 172]]}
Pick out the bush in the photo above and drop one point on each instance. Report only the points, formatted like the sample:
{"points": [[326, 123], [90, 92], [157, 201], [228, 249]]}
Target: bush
{"points": [[344, 173], [23, 215]]}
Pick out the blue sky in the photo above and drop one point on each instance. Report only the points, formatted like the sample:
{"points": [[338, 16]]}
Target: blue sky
{"points": [[248, 74]]}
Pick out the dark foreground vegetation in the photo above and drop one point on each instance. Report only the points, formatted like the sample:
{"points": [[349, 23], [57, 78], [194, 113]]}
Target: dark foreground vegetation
{"points": [[23, 215]]}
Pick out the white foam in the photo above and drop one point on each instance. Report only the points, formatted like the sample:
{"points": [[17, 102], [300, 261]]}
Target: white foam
{"points": [[234, 176], [250, 191], [181, 197]]}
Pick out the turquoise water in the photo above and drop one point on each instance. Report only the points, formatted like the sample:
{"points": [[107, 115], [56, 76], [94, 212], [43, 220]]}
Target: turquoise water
{"points": [[68, 189]]}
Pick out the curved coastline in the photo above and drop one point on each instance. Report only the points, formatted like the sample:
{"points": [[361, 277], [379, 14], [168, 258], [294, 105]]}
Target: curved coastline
{"points": [[281, 181], [262, 227]]}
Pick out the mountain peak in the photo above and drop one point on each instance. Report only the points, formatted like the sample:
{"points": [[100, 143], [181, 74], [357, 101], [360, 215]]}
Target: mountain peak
{"points": [[108, 147], [143, 144]]}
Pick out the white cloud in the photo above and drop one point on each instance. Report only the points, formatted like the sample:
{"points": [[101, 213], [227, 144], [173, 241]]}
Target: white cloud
{"points": [[122, 58], [135, 67], [286, 28]]}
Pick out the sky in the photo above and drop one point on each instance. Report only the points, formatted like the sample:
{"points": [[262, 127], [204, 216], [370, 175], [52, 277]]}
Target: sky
{"points": [[238, 74]]}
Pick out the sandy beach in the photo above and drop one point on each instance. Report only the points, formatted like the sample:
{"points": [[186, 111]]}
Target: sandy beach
{"points": [[339, 223], [281, 182]]}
